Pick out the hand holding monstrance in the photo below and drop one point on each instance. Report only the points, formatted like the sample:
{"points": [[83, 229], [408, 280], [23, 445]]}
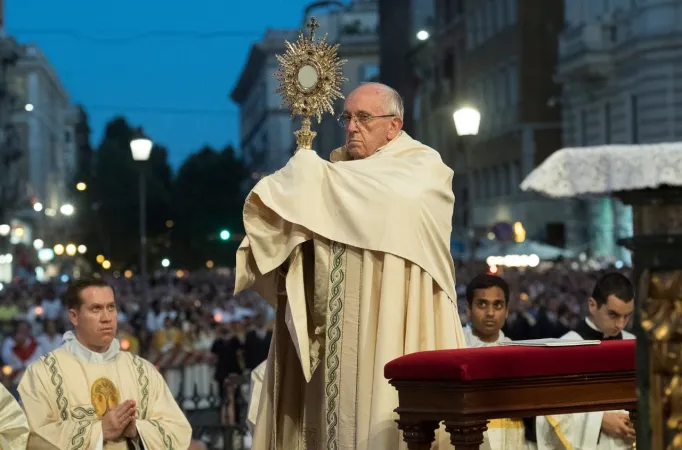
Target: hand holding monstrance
{"points": [[310, 80]]}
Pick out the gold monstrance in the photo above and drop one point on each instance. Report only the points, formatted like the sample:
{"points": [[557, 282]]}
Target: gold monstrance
{"points": [[310, 80]]}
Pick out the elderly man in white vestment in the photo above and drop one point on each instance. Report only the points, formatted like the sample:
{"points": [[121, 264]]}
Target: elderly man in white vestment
{"points": [[355, 255], [13, 424], [89, 394]]}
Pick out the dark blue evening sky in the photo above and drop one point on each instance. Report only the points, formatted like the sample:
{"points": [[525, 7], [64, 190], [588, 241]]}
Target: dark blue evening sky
{"points": [[162, 73]]}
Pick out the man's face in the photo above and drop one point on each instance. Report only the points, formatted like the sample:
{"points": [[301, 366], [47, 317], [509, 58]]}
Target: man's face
{"points": [[613, 316], [96, 320], [487, 312], [366, 132]]}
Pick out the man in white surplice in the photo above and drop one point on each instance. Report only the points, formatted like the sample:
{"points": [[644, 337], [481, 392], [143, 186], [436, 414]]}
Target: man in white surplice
{"points": [[90, 394], [487, 309], [610, 310]]}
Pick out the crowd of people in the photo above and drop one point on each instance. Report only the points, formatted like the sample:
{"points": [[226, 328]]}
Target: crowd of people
{"points": [[192, 314], [199, 313]]}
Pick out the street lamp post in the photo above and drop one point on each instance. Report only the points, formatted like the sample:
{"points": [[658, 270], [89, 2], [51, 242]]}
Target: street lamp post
{"points": [[141, 148], [467, 121]]}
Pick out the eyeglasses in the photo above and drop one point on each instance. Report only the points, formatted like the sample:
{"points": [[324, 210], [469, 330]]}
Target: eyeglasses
{"points": [[363, 118]]}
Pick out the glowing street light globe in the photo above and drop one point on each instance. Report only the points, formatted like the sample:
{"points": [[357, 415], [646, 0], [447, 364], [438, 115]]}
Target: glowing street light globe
{"points": [[141, 148], [467, 120], [66, 209]]}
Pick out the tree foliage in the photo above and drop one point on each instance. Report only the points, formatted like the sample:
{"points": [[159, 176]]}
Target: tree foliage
{"points": [[114, 199], [185, 211], [207, 200]]}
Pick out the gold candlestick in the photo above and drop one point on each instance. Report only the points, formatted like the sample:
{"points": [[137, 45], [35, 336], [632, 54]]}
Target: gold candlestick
{"points": [[310, 79]]}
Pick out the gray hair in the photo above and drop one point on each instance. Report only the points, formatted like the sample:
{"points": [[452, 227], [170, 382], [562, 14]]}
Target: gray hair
{"points": [[392, 99]]}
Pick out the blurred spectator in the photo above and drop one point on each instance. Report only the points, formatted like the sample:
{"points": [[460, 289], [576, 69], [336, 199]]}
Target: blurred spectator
{"points": [[257, 343], [51, 337], [20, 349]]}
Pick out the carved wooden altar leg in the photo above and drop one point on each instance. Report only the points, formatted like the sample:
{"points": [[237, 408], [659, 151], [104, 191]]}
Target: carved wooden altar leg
{"points": [[466, 434], [418, 435]]}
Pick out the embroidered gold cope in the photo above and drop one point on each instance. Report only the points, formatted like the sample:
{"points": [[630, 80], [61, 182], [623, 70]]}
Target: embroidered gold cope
{"points": [[13, 423], [64, 398], [355, 256]]}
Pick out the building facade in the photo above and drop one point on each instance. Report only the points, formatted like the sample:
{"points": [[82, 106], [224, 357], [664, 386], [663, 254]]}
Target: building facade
{"points": [[497, 56], [620, 64], [38, 126], [399, 23], [44, 120], [265, 128]]}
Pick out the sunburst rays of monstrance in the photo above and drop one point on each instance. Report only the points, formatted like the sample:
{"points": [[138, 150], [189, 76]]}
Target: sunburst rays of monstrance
{"points": [[310, 79]]}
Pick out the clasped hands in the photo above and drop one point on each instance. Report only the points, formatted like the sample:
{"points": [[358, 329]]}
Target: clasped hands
{"points": [[120, 422], [618, 425]]}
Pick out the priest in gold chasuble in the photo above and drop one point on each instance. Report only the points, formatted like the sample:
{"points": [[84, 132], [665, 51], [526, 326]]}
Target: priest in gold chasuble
{"points": [[355, 255], [88, 394]]}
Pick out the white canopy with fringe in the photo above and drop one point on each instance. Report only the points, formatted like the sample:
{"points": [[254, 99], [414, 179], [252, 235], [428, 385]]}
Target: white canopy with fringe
{"points": [[602, 170]]}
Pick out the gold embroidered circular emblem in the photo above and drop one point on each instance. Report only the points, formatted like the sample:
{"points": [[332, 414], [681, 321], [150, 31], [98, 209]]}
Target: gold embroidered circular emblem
{"points": [[103, 395]]}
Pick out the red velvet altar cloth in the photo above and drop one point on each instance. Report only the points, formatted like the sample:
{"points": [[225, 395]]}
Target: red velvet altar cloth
{"points": [[486, 363]]}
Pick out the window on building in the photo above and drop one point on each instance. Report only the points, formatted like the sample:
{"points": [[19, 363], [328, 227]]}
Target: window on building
{"points": [[607, 123], [511, 11], [506, 182], [490, 177], [514, 85], [634, 119], [498, 185], [67, 136], [485, 25], [479, 32], [476, 188], [449, 68], [492, 17], [583, 128], [502, 93], [501, 13], [471, 37], [18, 89], [448, 11], [515, 176], [488, 105], [54, 157], [459, 7]]}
